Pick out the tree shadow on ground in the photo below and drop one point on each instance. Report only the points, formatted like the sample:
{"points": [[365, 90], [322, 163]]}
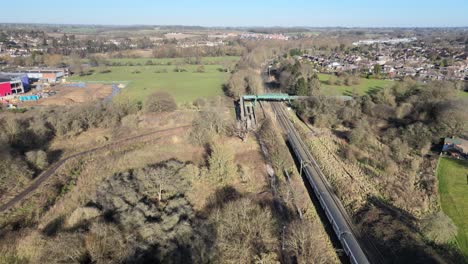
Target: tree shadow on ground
{"points": [[273, 85], [220, 198], [349, 93], [374, 90], [394, 234], [341, 134], [54, 155], [226, 90], [54, 226], [324, 82]]}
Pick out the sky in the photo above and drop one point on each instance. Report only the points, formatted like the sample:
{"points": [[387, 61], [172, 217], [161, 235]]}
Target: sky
{"points": [[244, 13]]}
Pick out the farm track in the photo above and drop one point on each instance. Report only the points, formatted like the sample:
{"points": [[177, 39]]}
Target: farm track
{"points": [[39, 180]]}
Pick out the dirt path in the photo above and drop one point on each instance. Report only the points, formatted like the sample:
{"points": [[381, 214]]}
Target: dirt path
{"points": [[37, 182]]}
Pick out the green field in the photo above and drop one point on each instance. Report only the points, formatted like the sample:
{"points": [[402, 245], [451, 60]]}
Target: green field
{"points": [[453, 189], [173, 61], [364, 87], [184, 86], [463, 94]]}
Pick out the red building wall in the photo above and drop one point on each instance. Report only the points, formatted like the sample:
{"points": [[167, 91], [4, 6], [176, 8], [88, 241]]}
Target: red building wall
{"points": [[5, 89], [49, 76]]}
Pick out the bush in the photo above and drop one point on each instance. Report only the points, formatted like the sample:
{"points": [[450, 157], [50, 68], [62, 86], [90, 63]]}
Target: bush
{"points": [[130, 121], [38, 159], [105, 243], [306, 241], [160, 102], [244, 230], [206, 125], [199, 103], [200, 69], [221, 164], [331, 80], [439, 228]]}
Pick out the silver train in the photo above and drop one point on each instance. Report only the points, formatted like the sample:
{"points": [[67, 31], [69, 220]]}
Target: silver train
{"points": [[330, 206]]}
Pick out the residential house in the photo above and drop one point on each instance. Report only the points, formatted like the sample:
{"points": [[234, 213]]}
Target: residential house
{"points": [[455, 147]]}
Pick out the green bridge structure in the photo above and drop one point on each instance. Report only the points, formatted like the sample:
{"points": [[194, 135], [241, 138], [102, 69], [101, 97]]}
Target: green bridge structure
{"points": [[283, 97], [272, 97], [247, 104]]}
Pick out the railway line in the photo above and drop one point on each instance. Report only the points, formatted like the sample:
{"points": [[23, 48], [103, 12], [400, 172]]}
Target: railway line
{"points": [[332, 206]]}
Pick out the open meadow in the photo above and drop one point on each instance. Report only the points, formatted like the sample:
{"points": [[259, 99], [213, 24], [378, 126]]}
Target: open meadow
{"points": [[453, 188], [190, 83], [362, 88]]}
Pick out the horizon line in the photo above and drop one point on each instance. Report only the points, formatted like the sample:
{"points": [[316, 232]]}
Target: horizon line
{"points": [[235, 27]]}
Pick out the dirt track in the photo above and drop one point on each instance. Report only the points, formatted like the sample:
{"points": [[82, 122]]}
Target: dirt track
{"points": [[52, 169]]}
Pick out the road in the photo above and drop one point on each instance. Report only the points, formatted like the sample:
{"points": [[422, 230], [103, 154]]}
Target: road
{"points": [[348, 234], [39, 180]]}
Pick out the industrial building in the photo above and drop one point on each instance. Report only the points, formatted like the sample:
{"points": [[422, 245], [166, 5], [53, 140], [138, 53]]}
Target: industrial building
{"points": [[48, 75], [19, 81], [5, 87], [11, 84]]}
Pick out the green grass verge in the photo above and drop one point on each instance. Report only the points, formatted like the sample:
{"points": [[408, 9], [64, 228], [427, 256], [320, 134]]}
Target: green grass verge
{"points": [[463, 94], [184, 86], [453, 189], [364, 87]]}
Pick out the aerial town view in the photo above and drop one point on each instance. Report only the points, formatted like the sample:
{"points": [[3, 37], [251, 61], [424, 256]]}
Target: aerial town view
{"points": [[241, 131]]}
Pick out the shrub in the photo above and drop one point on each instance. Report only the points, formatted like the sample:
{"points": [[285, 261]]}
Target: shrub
{"points": [[106, 244], [439, 228], [206, 125], [306, 241], [38, 159], [199, 103], [244, 230], [200, 69], [160, 102], [331, 80], [106, 71], [221, 163], [130, 121]]}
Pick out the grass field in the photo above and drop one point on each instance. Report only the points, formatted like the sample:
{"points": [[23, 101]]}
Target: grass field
{"points": [[184, 86], [463, 94], [453, 189], [173, 61], [364, 87]]}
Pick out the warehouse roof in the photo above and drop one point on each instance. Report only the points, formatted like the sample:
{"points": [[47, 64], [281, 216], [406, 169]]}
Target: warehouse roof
{"points": [[4, 78]]}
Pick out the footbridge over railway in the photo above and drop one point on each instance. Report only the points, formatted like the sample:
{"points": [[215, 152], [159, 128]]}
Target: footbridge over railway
{"points": [[247, 103], [272, 97]]}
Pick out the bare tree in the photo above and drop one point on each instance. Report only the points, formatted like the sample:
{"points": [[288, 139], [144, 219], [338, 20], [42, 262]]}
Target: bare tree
{"points": [[245, 232], [306, 240], [239, 129]]}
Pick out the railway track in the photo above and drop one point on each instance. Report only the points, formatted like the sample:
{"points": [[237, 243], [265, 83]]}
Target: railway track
{"points": [[39, 180], [335, 212]]}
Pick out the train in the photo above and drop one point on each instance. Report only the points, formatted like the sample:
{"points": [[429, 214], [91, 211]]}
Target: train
{"points": [[336, 217]]}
